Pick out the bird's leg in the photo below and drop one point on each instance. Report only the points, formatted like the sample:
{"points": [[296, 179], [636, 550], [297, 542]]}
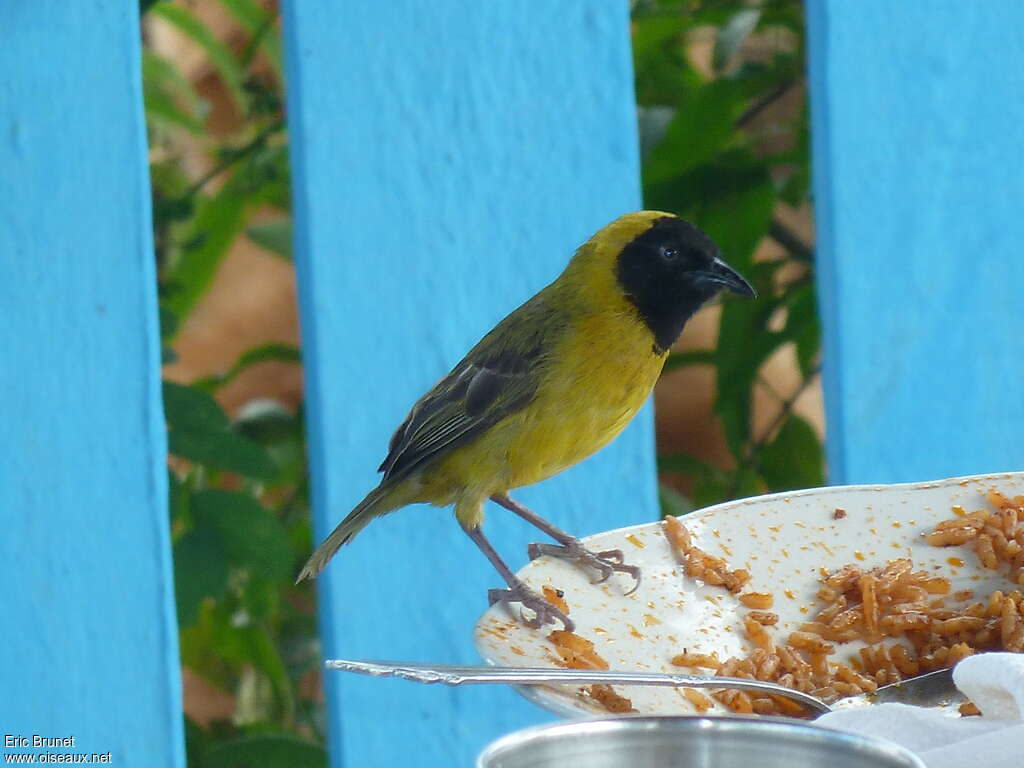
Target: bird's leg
{"points": [[569, 547], [517, 592]]}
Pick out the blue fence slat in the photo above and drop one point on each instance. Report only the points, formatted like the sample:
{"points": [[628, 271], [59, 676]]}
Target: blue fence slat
{"points": [[448, 157], [916, 116], [89, 641]]}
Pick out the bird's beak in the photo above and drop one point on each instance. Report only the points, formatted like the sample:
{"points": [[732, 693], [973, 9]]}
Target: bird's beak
{"points": [[724, 275]]}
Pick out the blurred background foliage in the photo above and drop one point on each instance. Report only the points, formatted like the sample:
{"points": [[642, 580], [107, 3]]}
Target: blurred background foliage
{"points": [[239, 495], [724, 142], [724, 138]]}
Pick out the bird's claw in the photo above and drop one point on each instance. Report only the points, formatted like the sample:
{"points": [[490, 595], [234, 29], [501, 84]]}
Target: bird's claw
{"points": [[615, 555], [605, 563], [544, 612]]}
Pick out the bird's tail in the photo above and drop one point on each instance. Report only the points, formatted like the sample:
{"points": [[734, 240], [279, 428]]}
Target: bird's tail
{"points": [[375, 503]]}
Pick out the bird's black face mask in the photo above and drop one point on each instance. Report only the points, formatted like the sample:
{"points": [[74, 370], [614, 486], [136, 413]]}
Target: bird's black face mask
{"points": [[669, 271]]}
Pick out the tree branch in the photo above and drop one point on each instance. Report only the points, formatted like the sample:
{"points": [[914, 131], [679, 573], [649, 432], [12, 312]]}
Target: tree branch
{"points": [[789, 240], [258, 141], [764, 102]]}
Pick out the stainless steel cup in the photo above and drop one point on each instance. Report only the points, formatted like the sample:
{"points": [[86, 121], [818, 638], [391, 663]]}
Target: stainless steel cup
{"points": [[691, 742]]}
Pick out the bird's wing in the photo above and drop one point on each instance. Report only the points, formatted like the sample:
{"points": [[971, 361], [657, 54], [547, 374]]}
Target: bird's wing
{"points": [[498, 377]]}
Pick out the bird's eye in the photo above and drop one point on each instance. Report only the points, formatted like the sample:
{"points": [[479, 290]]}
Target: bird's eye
{"points": [[669, 253]]}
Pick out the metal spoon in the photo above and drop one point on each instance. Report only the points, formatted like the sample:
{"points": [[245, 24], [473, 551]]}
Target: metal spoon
{"points": [[932, 689]]}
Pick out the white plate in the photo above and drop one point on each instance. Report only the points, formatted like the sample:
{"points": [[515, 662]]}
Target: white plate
{"points": [[782, 539]]}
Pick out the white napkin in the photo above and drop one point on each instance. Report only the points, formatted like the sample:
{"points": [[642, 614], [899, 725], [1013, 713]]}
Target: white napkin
{"points": [[993, 681]]}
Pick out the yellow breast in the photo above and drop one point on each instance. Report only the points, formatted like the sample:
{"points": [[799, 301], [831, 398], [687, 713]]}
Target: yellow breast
{"points": [[601, 375], [605, 373]]}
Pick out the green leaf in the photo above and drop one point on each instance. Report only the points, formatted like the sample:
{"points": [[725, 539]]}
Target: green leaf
{"points": [[220, 55], [673, 502], [268, 176], [261, 354], [684, 464], [797, 186], [714, 13], [252, 536], [168, 323], [265, 657], [261, 598], [804, 327], [710, 484], [259, 22], [689, 357], [225, 641], [743, 346], [222, 450], [794, 458], [197, 740], [709, 490], [178, 498], [736, 205], [702, 126], [172, 204], [161, 108], [275, 236], [745, 343], [169, 95], [200, 571], [746, 483], [212, 647], [788, 15], [732, 35], [190, 409], [200, 432], [218, 220], [266, 751], [663, 72]]}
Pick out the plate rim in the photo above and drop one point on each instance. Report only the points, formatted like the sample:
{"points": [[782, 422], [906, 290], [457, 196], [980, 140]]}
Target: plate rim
{"points": [[554, 705]]}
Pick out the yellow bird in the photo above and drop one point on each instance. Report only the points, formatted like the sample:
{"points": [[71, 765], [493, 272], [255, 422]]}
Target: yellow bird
{"points": [[552, 383]]}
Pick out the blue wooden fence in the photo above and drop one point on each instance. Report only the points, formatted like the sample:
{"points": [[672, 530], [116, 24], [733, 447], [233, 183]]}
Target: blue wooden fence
{"points": [[88, 636], [447, 159], [917, 113]]}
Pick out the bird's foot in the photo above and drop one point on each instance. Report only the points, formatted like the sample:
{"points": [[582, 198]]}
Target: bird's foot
{"points": [[605, 563], [544, 612]]}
